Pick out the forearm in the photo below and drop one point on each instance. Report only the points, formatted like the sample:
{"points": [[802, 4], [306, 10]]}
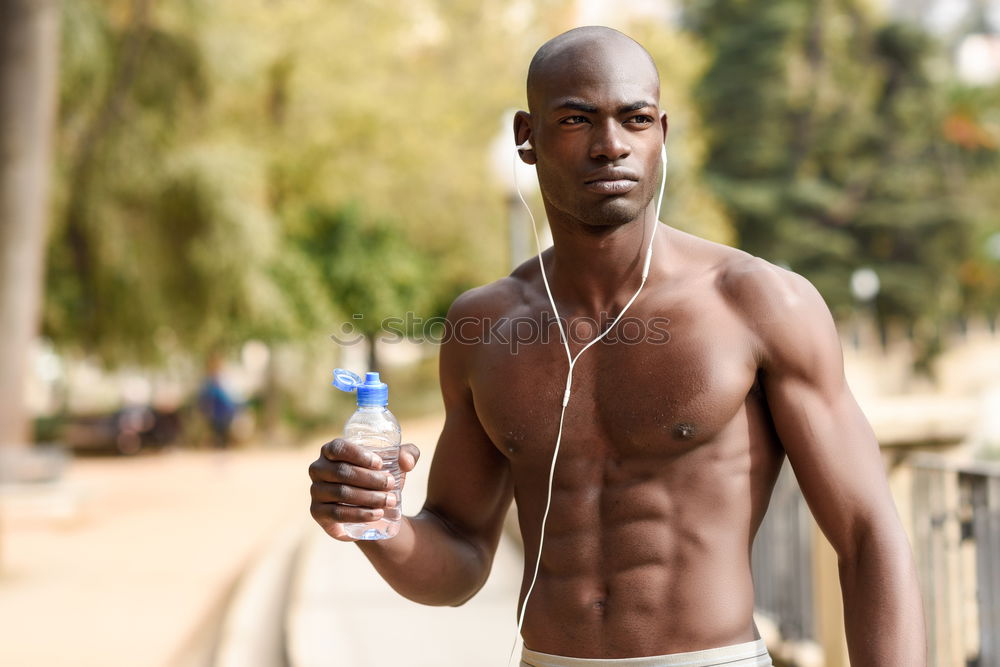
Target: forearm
{"points": [[883, 612], [429, 563]]}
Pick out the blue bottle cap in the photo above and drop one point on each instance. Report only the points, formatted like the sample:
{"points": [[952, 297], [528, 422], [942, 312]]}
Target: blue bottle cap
{"points": [[371, 393]]}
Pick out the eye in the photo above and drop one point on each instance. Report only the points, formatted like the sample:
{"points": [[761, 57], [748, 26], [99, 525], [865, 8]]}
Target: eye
{"points": [[641, 119], [574, 120]]}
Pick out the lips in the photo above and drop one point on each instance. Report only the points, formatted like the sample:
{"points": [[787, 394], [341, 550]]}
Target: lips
{"points": [[615, 187], [612, 181]]}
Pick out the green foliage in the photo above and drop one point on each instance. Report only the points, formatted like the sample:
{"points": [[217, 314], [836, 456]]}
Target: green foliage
{"points": [[371, 271], [125, 80], [830, 150], [207, 149], [232, 170], [688, 203]]}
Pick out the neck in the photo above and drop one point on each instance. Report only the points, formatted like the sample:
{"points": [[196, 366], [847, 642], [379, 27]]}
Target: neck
{"points": [[598, 269]]}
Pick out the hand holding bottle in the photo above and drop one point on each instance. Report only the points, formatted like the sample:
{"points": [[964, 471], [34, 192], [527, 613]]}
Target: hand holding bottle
{"points": [[351, 486], [358, 479]]}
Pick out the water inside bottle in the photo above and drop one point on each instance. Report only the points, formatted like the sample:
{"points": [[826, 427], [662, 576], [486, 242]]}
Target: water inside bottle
{"points": [[388, 525]]}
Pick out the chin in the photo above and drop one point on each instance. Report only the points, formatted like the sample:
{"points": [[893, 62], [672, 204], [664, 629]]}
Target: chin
{"points": [[611, 214]]}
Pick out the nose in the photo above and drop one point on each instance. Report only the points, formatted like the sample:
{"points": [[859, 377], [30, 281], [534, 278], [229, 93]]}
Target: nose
{"points": [[610, 143]]}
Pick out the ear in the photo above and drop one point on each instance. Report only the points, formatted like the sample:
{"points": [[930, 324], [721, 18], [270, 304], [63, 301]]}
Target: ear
{"points": [[522, 133], [664, 124]]}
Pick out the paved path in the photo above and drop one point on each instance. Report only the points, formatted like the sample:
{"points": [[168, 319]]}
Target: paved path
{"points": [[133, 562], [341, 612], [150, 554]]}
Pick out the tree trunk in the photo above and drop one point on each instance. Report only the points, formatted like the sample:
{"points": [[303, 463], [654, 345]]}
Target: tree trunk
{"points": [[270, 403], [29, 48], [373, 364]]}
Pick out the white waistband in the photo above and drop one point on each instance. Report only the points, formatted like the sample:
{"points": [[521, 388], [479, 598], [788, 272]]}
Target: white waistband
{"points": [[748, 654]]}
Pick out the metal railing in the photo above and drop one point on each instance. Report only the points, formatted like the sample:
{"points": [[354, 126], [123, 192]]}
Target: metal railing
{"points": [[953, 515], [782, 561], [956, 542]]}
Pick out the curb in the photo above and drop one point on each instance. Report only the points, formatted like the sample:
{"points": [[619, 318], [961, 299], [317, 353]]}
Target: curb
{"points": [[252, 632]]}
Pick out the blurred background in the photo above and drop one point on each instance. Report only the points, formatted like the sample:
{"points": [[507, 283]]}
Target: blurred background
{"points": [[207, 205]]}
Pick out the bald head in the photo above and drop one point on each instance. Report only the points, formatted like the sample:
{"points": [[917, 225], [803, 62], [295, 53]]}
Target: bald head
{"points": [[594, 105], [589, 49]]}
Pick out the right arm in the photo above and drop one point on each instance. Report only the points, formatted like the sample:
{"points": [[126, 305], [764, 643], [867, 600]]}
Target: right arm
{"points": [[443, 555]]}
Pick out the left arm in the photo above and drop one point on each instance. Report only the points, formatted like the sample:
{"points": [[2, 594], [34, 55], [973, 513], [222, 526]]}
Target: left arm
{"points": [[835, 456]]}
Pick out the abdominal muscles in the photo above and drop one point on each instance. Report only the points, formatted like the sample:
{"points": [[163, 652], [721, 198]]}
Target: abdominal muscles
{"points": [[641, 563]]}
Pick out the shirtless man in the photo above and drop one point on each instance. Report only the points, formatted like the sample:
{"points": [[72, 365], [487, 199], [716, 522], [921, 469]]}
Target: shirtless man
{"points": [[671, 445]]}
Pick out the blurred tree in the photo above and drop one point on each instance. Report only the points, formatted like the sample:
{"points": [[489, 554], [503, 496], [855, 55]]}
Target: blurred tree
{"points": [[827, 148], [379, 118], [972, 123], [28, 72], [235, 170], [29, 45], [198, 138], [688, 202], [116, 123], [369, 271]]}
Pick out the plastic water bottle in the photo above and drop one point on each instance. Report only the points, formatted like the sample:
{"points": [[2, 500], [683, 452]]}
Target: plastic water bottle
{"points": [[376, 429]]}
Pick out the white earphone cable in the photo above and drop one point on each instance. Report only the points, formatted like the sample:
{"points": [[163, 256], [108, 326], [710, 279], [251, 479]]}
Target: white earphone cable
{"points": [[572, 362]]}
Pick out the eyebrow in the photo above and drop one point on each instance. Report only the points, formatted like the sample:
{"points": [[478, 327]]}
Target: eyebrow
{"points": [[579, 105]]}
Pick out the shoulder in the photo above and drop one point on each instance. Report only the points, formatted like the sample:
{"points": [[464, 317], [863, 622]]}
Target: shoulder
{"points": [[790, 323], [475, 314], [503, 297], [762, 290], [757, 290], [495, 299], [750, 285]]}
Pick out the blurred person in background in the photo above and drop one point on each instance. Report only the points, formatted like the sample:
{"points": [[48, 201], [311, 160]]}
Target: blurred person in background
{"points": [[670, 448], [216, 404]]}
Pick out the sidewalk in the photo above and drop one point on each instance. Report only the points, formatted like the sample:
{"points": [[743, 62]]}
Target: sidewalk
{"points": [[135, 560], [341, 613], [151, 552]]}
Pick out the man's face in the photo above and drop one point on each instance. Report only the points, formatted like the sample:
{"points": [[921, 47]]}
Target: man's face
{"points": [[597, 133]]}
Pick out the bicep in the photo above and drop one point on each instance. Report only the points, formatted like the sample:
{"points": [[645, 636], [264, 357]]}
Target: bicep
{"points": [[469, 486], [828, 440], [834, 455]]}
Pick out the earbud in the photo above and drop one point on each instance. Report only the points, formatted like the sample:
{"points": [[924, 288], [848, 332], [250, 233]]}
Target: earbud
{"points": [[526, 146]]}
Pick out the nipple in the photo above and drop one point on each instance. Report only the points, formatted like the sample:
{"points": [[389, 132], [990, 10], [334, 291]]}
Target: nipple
{"points": [[684, 431]]}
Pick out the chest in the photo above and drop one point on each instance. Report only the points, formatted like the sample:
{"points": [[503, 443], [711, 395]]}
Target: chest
{"points": [[659, 385]]}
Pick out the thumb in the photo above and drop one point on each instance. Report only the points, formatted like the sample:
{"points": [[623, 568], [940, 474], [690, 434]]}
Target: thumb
{"points": [[408, 457]]}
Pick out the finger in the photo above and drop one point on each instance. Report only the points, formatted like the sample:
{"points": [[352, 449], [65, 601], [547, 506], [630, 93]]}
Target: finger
{"points": [[324, 513], [324, 470], [345, 473], [345, 450], [334, 529], [340, 493], [408, 457]]}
